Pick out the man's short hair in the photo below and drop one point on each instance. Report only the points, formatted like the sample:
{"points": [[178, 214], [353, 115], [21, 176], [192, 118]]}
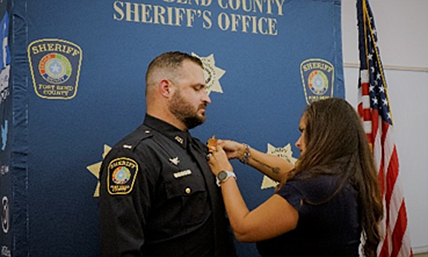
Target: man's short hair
{"points": [[170, 61]]}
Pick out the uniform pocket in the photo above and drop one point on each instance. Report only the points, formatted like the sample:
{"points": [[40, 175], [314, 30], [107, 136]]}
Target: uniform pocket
{"points": [[190, 193]]}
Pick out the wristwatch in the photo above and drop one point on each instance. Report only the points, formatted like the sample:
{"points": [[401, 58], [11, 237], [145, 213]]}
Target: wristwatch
{"points": [[223, 176]]}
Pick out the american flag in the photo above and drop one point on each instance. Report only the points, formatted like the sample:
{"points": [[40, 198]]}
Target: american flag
{"points": [[374, 109]]}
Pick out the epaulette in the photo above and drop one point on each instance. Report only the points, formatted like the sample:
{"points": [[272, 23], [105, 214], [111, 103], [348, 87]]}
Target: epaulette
{"points": [[132, 142]]}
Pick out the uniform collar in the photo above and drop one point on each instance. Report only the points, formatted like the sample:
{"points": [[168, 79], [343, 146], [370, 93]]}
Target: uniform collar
{"points": [[173, 133]]}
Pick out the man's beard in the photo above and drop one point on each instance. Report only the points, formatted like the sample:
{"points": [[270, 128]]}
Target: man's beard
{"points": [[185, 112]]}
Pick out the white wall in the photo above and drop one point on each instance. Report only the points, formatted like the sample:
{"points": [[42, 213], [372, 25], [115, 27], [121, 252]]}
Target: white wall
{"points": [[402, 28]]}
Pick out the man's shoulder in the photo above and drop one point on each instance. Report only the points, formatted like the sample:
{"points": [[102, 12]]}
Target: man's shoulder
{"points": [[130, 142], [137, 136]]}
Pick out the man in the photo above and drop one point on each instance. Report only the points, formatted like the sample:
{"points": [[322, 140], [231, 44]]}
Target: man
{"points": [[158, 196]]}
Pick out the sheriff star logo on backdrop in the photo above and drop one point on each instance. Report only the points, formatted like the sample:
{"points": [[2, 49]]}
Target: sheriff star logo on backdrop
{"points": [[212, 73], [95, 170], [283, 152], [55, 68], [317, 78]]}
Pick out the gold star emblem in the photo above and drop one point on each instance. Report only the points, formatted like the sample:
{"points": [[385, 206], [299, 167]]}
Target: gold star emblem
{"points": [[212, 73], [95, 170], [283, 152]]}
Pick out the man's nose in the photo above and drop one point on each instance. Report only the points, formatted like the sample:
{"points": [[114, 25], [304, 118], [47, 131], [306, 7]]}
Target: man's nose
{"points": [[206, 98]]}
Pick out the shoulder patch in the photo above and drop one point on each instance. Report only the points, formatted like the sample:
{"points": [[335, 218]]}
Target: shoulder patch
{"points": [[121, 175]]}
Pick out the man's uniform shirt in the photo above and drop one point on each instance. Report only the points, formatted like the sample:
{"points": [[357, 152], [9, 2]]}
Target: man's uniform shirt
{"points": [[158, 197]]}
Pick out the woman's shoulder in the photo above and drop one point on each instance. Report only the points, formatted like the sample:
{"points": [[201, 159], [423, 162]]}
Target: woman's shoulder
{"points": [[311, 186], [313, 178]]}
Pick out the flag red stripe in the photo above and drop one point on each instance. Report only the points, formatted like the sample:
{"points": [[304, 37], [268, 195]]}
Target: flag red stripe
{"points": [[399, 230], [360, 109], [392, 176], [384, 252], [365, 89], [367, 114]]}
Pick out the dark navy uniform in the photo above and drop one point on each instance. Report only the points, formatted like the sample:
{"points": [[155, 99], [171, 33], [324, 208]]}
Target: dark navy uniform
{"points": [[158, 197]]}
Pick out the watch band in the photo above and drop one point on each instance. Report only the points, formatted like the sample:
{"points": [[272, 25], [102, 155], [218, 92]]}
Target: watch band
{"points": [[223, 176]]}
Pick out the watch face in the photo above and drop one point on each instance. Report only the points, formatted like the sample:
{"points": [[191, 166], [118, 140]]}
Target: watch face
{"points": [[222, 175]]}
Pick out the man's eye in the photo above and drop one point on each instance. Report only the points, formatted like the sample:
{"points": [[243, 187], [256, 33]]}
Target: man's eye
{"points": [[198, 88]]}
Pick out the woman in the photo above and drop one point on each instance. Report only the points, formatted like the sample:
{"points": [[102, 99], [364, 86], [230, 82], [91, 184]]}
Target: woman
{"points": [[331, 198]]}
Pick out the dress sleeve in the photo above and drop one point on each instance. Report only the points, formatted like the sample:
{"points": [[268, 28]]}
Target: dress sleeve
{"points": [[292, 194]]}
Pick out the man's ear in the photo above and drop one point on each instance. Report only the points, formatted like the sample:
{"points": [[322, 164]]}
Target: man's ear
{"points": [[165, 88]]}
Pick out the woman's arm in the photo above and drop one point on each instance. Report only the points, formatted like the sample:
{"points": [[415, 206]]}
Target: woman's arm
{"points": [[272, 166], [272, 218]]}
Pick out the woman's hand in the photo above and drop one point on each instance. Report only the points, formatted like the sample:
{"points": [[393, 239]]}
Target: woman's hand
{"points": [[233, 150], [218, 160]]}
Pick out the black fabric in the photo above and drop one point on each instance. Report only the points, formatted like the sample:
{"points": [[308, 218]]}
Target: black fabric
{"points": [[326, 227], [174, 208]]}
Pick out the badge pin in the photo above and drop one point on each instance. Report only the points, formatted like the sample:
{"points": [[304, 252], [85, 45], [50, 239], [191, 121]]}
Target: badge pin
{"points": [[127, 146], [174, 160], [179, 139]]}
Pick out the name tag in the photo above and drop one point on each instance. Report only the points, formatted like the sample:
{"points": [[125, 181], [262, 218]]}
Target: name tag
{"points": [[182, 173]]}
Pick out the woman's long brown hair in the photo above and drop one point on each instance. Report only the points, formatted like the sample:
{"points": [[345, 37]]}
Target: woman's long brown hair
{"points": [[335, 137]]}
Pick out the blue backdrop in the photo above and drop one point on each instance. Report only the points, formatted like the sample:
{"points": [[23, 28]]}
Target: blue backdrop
{"points": [[76, 87]]}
